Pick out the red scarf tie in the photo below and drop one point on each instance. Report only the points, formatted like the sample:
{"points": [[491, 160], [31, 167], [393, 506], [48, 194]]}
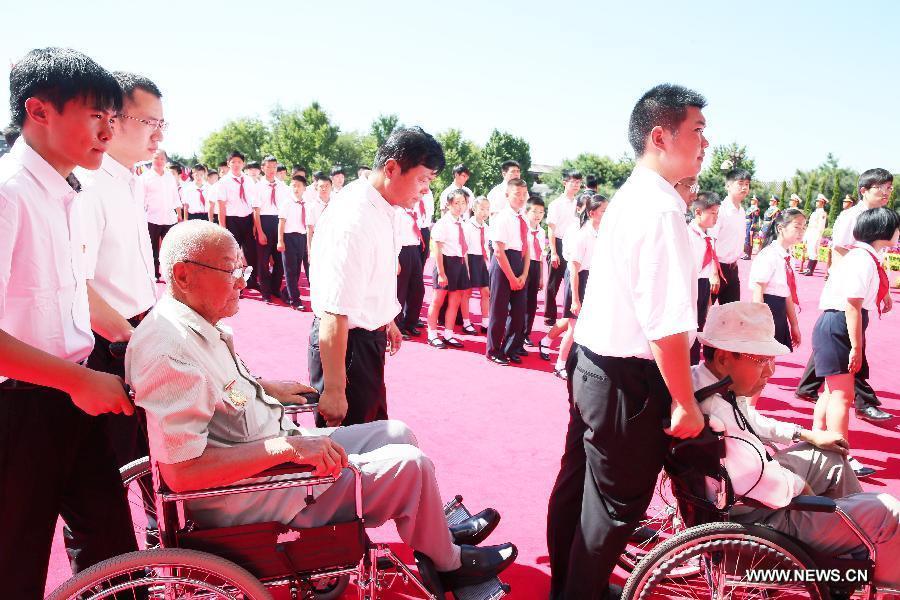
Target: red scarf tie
{"points": [[884, 285], [791, 280], [462, 240], [241, 190], [272, 197], [202, 199], [710, 255], [523, 233], [303, 214], [535, 245], [422, 207], [415, 226]]}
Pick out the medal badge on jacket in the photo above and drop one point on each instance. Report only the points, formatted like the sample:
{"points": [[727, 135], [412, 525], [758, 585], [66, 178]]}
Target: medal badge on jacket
{"points": [[236, 397]]}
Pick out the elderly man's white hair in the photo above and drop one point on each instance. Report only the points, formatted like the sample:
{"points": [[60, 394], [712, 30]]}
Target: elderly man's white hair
{"points": [[187, 241]]}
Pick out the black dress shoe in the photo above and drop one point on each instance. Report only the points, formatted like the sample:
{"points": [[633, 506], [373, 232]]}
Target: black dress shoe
{"points": [[476, 528], [483, 329], [542, 350], [514, 358], [414, 331], [420, 323], [873, 414], [807, 397], [549, 321], [521, 352], [437, 343], [404, 333], [479, 565], [528, 342], [497, 360], [469, 330], [453, 342]]}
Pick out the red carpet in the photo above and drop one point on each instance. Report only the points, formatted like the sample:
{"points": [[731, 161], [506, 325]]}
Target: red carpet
{"points": [[496, 433]]}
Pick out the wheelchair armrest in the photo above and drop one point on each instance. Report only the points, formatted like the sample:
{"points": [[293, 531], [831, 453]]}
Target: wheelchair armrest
{"points": [[295, 409], [286, 469], [812, 504]]}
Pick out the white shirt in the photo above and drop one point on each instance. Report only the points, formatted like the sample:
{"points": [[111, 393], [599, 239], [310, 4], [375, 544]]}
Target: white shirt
{"points": [[453, 187], [855, 276], [228, 190], [768, 268], [730, 231], [405, 221], [473, 237], [561, 214], [196, 199], [842, 232], [698, 246], [295, 215], [161, 198], [497, 197], [818, 220], [212, 195], [262, 199], [355, 264], [541, 240], [582, 248], [425, 211], [118, 257], [43, 296], [643, 285], [745, 455], [446, 231], [315, 210], [505, 228]]}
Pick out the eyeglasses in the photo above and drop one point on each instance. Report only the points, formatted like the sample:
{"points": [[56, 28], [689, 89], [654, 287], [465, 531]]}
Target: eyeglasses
{"points": [[239, 273], [768, 361], [151, 123]]}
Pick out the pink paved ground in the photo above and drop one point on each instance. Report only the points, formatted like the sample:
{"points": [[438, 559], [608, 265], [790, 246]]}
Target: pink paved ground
{"points": [[496, 433]]}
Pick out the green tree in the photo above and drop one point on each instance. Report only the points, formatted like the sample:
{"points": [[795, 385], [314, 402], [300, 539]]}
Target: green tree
{"points": [[305, 137], [353, 150], [808, 196], [383, 126], [610, 172], [836, 200], [457, 150], [501, 146], [712, 178], [782, 202], [248, 136]]}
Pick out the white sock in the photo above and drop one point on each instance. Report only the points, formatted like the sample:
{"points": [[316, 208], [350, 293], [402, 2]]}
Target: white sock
{"points": [[560, 364], [546, 341], [432, 333], [467, 322], [448, 333]]}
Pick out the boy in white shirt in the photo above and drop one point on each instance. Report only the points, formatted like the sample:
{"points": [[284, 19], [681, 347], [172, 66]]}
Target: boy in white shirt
{"points": [[293, 240], [195, 197], [270, 195]]}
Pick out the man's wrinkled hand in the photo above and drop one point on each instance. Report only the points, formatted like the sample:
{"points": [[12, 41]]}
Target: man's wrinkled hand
{"points": [[321, 452]]}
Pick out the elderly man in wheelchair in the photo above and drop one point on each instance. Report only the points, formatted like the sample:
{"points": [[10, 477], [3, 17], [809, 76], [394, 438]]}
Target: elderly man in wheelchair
{"points": [[793, 523], [211, 424]]}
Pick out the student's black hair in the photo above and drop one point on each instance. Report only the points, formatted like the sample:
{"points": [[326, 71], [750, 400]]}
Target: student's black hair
{"points": [[337, 170], [129, 82], [781, 221], [581, 199], [876, 224], [279, 168], [572, 174], [268, 158], [738, 175], [874, 177], [705, 200], [536, 200], [317, 175], [324, 177], [58, 75], [11, 134], [236, 154], [199, 167], [212, 173], [252, 165], [508, 164], [516, 182], [662, 106], [177, 167], [411, 147], [591, 203], [460, 169], [454, 194], [299, 178], [591, 181], [295, 168], [224, 163]]}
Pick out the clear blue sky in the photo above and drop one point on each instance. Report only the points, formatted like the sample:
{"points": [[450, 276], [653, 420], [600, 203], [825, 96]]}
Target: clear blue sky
{"points": [[791, 80]]}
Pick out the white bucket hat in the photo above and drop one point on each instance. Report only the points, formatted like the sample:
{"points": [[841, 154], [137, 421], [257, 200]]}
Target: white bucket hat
{"points": [[742, 327]]}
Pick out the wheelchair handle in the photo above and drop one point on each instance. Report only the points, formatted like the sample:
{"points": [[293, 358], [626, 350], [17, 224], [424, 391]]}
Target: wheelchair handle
{"points": [[713, 389]]}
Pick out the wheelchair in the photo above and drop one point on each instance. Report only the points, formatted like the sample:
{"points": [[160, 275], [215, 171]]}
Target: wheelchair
{"points": [[702, 553], [258, 561]]}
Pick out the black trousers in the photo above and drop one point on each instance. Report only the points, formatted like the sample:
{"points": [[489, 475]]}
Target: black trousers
{"points": [[506, 322], [157, 233], [531, 295], [703, 299], [426, 239], [294, 257], [269, 281], [410, 286], [730, 287], [554, 279], [619, 407], [55, 460], [810, 384], [198, 216], [366, 394], [242, 230]]}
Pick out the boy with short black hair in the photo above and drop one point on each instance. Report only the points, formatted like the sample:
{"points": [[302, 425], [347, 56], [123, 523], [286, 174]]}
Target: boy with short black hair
{"points": [[561, 218], [270, 195], [705, 209], [337, 178], [510, 169], [293, 240], [57, 461], [234, 194], [195, 197], [730, 232], [537, 242]]}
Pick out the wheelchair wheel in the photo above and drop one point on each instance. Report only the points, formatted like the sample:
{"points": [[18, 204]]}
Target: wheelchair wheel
{"points": [[329, 588], [715, 560], [138, 484], [163, 574]]}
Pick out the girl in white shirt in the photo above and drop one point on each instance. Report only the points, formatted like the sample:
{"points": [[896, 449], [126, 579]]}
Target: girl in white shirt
{"points": [[451, 270], [857, 285], [772, 278], [479, 278]]}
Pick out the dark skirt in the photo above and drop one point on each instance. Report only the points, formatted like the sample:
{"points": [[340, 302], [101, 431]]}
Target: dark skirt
{"points": [[778, 306], [457, 275], [567, 296], [198, 216], [831, 344], [478, 272]]}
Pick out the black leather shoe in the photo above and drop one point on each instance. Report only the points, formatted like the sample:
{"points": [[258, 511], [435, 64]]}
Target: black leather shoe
{"points": [[469, 330], [497, 360], [414, 332], [476, 528], [437, 343], [873, 414], [521, 352], [542, 350], [404, 333], [528, 342], [807, 397], [420, 323], [479, 565], [453, 342], [483, 329], [515, 359]]}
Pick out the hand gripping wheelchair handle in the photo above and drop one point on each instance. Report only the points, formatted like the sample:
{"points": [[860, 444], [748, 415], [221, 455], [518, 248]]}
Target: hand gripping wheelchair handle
{"points": [[701, 395]]}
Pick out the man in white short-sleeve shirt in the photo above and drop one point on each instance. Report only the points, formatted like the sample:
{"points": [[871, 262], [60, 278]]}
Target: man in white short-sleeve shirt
{"points": [[631, 371], [729, 233], [161, 201], [560, 218], [461, 176], [354, 273], [510, 169]]}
